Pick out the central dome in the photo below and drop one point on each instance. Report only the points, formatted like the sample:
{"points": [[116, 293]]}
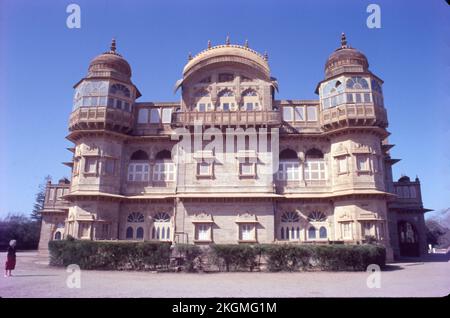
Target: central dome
{"points": [[110, 61], [345, 59], [227, 53]]}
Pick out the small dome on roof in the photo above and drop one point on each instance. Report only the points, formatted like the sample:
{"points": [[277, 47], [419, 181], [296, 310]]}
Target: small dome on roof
{"points": [[110, 61], [345, 59]]}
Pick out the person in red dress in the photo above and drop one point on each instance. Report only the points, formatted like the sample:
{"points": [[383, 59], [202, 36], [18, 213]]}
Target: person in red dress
{"points": [[11, 258]]}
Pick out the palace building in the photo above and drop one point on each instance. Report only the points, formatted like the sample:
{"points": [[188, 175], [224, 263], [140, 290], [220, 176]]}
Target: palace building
{"points": [[231, 163]]}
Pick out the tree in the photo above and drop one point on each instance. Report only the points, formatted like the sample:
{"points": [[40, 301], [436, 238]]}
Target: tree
{"points": [[438, 231], [18, 227], [39, 201]]}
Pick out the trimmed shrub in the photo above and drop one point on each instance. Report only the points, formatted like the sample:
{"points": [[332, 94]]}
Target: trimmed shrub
{"points": [[191, 256], [110, 255], [235, 257], [288, 257]]}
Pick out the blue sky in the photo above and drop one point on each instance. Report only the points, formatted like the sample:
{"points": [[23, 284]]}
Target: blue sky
{"points": [[41, 59]]}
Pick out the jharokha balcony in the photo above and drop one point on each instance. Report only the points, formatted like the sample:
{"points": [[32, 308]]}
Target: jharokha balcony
{"points": [[231, 118], [354, 115], [101, 117]]}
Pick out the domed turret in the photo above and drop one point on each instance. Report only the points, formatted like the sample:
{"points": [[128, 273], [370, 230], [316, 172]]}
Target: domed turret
{"points": [[109, 63], [345, 59], [105, 97]]}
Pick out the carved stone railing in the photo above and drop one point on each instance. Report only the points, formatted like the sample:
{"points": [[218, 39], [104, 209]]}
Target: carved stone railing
{"points": [[99, 118], [354, 115], [231, 118]]}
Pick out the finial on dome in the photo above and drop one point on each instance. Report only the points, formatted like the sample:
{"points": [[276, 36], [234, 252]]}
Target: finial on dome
{"points": [[190, 56], [227, 41], [343, 41], [266, 56], [113, 45], [209, 44], [246, 43]]}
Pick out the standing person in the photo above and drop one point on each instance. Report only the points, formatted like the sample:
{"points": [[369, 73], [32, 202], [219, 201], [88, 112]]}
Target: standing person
{"points": [[11, 258]]}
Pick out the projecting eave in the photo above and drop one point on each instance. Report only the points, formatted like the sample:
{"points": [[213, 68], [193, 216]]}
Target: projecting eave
{"points": [[69, 164], [392, 161]]}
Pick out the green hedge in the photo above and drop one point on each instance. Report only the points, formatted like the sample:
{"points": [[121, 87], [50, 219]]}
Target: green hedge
{"points": [[110, 255], [123, 255], [236, 257], [290, 257]]}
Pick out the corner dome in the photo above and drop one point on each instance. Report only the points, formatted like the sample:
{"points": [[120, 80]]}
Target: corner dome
{"points": [[111, 62], [345, 59], [227, 53]]}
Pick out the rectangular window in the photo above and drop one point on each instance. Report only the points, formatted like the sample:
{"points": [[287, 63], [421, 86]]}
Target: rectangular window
{"points": [[311, 112], [155, 116], [164, 171], [346, 229], [299, 113], [326, 103], [102, 101], [289, 171], [109, 166], [315, 170], [51, 196], [84, 230], [126, 107], [143, 116], [105, 231], [349, 98], [110, 102], [226, 107], [362, 162], [167, 115], [138, 172], [287, 113], [204, 168], [368, 229], [90, 165], [366, 98], [246, 169], [247, 232], [203, 232], [118, 104], [201, 107], [358, 97], [59, 193], [249, 107], [342, 164]]}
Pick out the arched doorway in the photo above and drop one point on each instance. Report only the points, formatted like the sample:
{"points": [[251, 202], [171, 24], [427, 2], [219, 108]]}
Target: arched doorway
{"points": [[408, 239]]}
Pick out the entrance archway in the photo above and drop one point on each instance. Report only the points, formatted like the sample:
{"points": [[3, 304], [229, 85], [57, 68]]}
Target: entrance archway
{"points": [[408, 239]]}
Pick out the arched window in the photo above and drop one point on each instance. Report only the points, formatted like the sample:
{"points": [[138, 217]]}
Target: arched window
{"points": [[357, 90], [129, 234], [57, 235], [138, 168], [357, 82], [135, 217], [290, 217], [312, 233], [161, 226], [317, 216], [203, 100], [314, 165], [323, 232], [250, 100], [227, 100], [289, 226], [139, 155], [164, 168], [120, 90], [140, 233], [289, 166], [332, 94]]}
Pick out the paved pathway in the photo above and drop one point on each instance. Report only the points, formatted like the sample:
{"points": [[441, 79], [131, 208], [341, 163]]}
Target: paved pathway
{"points": [[429, 277]]}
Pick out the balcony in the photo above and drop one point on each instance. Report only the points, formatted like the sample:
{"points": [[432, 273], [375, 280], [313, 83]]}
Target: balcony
{"points": [[218, 118], [54, 193], [100, 118], [354, 115]]}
